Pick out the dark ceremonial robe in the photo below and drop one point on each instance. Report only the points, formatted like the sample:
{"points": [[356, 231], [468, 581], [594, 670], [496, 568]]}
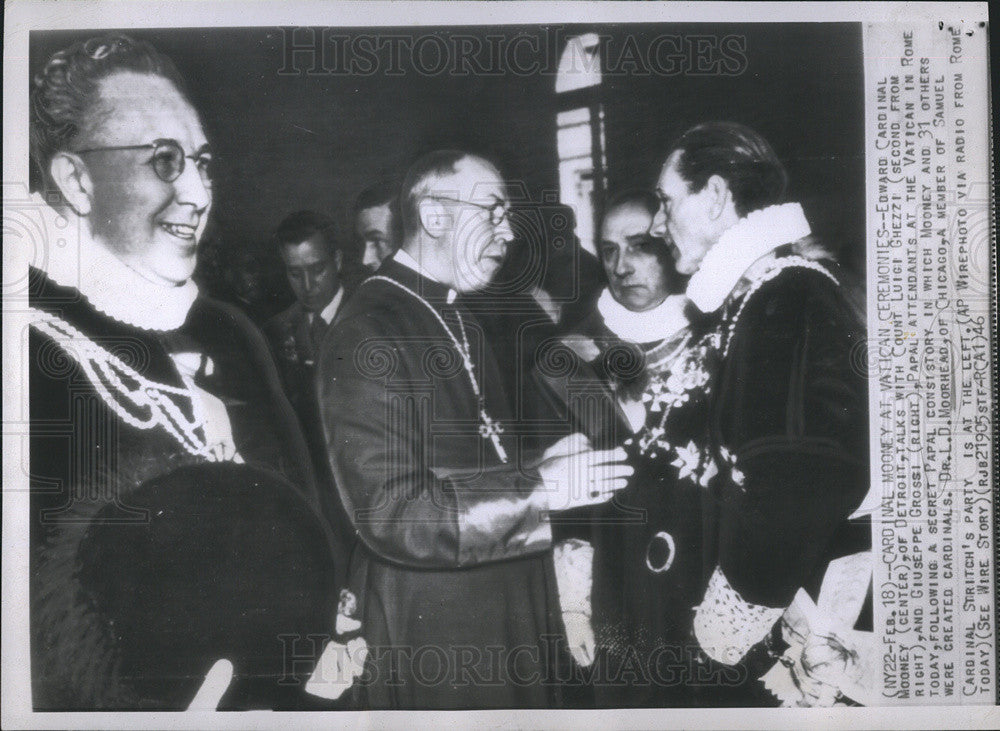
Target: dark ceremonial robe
{"points": [[516, 329], [584, 393], [459, 597], [753, 456], [564, 396], [87, 457], [584, 388]]}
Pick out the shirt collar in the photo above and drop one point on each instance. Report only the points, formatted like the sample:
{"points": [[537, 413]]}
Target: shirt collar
{"points": [[404, 258], [752, 237], [328, 312], [80, 262]]}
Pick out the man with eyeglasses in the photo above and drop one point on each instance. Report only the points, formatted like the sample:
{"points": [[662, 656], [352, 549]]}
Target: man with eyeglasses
{"points": [[460, 610], [158, 427]]}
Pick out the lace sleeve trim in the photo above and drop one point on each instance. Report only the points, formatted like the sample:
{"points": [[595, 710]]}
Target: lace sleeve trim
{"points": [[574, 561], [726, 625]]}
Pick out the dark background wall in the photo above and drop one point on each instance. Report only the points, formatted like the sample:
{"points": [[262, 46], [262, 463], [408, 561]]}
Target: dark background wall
{"points": [[287, 138]]}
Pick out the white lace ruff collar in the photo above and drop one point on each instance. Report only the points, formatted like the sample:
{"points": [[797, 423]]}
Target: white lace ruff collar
{"points": [[72, 258], [650, 326], [754, 236]]}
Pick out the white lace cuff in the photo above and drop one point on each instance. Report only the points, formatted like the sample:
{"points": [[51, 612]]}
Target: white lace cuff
{"points": [[726, 625], [574, 563]]}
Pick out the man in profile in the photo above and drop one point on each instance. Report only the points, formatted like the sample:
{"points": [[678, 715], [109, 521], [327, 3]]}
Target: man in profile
{"points": [[754, 453], [459, 608], [377, 225]]}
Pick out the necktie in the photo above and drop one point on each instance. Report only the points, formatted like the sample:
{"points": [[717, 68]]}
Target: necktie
{"points": [[317, 328]]}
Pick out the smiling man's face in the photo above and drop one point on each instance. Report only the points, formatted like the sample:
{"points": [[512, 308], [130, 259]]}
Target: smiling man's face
{"points": [[152, 225]]}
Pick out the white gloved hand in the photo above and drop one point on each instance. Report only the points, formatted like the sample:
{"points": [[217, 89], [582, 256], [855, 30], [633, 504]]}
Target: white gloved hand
{"points": [[337, 668], [573, 561], [580, 637], [215, 685]]}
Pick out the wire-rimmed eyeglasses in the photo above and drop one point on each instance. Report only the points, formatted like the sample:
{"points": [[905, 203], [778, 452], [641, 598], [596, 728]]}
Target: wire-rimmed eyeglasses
{"points": [[499, 210], [167, 160]]}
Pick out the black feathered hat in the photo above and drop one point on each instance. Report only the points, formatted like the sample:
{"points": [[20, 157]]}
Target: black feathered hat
{"points": [[230, 562]]}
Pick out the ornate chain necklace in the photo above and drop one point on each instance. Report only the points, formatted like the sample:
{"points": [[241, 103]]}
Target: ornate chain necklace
{"points": [[488, 427], [138, 401], [776, 268]]}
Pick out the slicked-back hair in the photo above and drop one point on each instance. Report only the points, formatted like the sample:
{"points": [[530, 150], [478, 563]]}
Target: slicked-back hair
{"points": [[302, 225], [737, 154], [382, 193], [379, 194], [440, 163], [64, 94]]}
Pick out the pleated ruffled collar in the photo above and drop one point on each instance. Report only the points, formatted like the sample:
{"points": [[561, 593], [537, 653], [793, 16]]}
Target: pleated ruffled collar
{"points": [[650, 326], [751, 238], [72, 258]]}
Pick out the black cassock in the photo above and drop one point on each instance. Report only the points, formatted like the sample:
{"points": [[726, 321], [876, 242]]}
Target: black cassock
{"points": [[458, 592]]}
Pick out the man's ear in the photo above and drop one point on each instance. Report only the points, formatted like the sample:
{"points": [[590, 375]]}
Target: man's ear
{"points": [[434, 218], [719, 196], [70, 174]]}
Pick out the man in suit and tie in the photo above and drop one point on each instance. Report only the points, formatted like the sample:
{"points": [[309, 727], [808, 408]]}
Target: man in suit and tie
{"points": [[314, 259]]}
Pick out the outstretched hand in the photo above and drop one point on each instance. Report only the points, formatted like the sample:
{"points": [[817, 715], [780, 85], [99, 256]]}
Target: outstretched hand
{"points": [[576, 475]]}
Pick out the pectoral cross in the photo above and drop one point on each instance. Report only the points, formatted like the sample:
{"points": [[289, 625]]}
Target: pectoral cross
{"points": [[492, 430]]}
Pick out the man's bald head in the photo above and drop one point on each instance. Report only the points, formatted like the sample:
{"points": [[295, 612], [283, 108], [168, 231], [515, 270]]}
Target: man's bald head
{"points": [[456, 218], [432, 173]]}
